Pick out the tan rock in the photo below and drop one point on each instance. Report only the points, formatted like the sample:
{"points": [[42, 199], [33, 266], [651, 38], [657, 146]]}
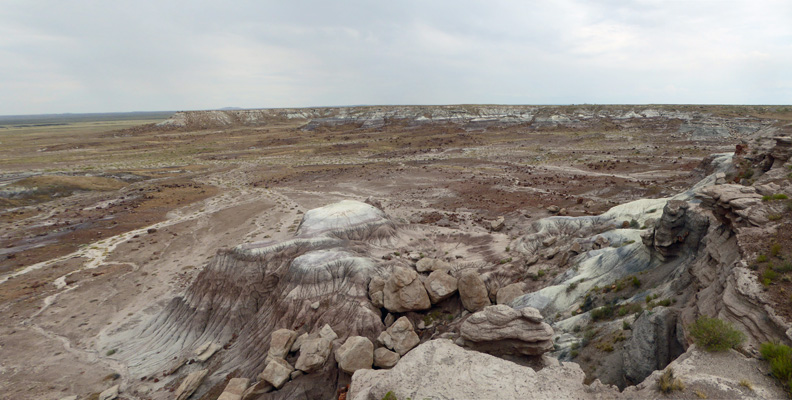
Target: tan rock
{"points": [[405, 292], [384, 358], [403, 336], [472, 291], [501, 329], [277, 372], [109, 394], [235, 389], [431, 264], [328, 333], [281, 342], [313, 354], [440, 286], [298, 342], [356, 353], [190, 383], [257, 389], [508, 293]]}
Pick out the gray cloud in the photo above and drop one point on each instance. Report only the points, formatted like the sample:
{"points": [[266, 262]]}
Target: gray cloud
{"points": [[87, 56]]}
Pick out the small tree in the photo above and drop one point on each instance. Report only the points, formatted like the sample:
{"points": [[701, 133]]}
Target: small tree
{"points": [[714, 334]]}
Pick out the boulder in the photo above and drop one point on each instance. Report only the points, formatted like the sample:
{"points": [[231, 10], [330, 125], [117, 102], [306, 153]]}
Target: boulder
{"points": [[109, 394], [385, 339], [277, 372], [472, 291], [405, 292], [328, 333], [508, 293], [497, 224], [431, 264], [235, 389], [501, 329], [356, 353], [375, 290], [653, 345], [190, 383], [440, 286], [281, 342], [257, 389], [313, 354], [384, 358], [439, 369], [298, 342], [403, 336]]}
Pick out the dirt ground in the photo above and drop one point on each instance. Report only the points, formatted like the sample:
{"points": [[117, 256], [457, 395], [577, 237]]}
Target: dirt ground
{"points": [[78, 269]]}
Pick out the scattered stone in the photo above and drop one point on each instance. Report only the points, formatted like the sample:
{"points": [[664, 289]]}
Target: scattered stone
{"points": [[313, 354], [553, 209], [501, 329], [431, 264], [562, 212], [549, 241], [109, 394], [277, 372], [356, 353], [190, 383], [328, 333], [472, 291], [375, 288], [281, 343], [508, 293], [298, 342], [257, 389], [207, 351], [403, 336], [497, 224], [235, 389], [440, 286], [315, 305], [385, 339], [405, 292], [384, 358]]}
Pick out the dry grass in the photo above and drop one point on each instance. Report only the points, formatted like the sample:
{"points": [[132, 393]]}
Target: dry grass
{"points": [[71, 183], [668, 383]]}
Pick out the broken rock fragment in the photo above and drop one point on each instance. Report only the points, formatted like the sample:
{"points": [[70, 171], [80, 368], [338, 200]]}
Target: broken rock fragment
{"points": [[402, 335], [277, 372], [405, 292], [356, 353], [472, 291]]}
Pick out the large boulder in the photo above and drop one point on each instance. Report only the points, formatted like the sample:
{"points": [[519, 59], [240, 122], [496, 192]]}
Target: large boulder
{"points": [[655, 342], [405, 292], [313, 354], [501, 329], [356, 353], [431, 264], [402, 336], [277, 372], [439, 369], [281, 343], [472, 290], [375, 289], [440, 286]]}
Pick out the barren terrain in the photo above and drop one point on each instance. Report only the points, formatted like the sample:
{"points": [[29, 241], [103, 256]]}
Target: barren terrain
{"points": [[102, 225]]}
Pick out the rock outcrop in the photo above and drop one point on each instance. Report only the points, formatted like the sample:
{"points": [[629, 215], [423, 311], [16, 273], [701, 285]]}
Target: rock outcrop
{"points": [[656, 341], [439, 369], [501, 329], [676, 228]]}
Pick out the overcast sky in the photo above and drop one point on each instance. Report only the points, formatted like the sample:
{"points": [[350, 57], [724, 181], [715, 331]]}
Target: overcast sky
{"points": [[101, 56]]}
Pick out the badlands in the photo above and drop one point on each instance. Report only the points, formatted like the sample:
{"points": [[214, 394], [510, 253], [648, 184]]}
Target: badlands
{"points": [[394, 252]]}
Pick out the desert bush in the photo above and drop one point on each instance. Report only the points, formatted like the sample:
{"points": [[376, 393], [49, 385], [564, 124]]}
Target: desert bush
{"points": [[603, 312], [668, 383], [780, 358], [714, 334], [775, 249], [761, 258]]}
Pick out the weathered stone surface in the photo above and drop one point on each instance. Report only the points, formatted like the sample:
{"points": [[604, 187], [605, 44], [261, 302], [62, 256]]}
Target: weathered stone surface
{"points": [[298, 342], [328, 333], [109, 393], [385, 339], [403, 336], [440, 286], [405, 292], [384, 358], [206, 351], [281, 343], [472, 290], [356, 353], [375, 290], [497, 224], [190, 383], [431, 264], [258, 388], [277, 372], [501, 329], [653, 344], [313, 354], [439, 369], [508, 293], [235, 389]]}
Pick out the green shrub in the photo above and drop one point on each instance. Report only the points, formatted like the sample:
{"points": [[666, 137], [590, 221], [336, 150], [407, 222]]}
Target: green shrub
{"points": [[775, 249], [768, 276], [780, 196], [761, 258], [774, 217], [603, 312], [780, 358], [626, 325], [636, 282], [390, 396], [634, 224], [714, 334]]}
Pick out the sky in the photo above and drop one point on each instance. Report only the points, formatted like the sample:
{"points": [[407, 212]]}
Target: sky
{"points": [[110, 56]]}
